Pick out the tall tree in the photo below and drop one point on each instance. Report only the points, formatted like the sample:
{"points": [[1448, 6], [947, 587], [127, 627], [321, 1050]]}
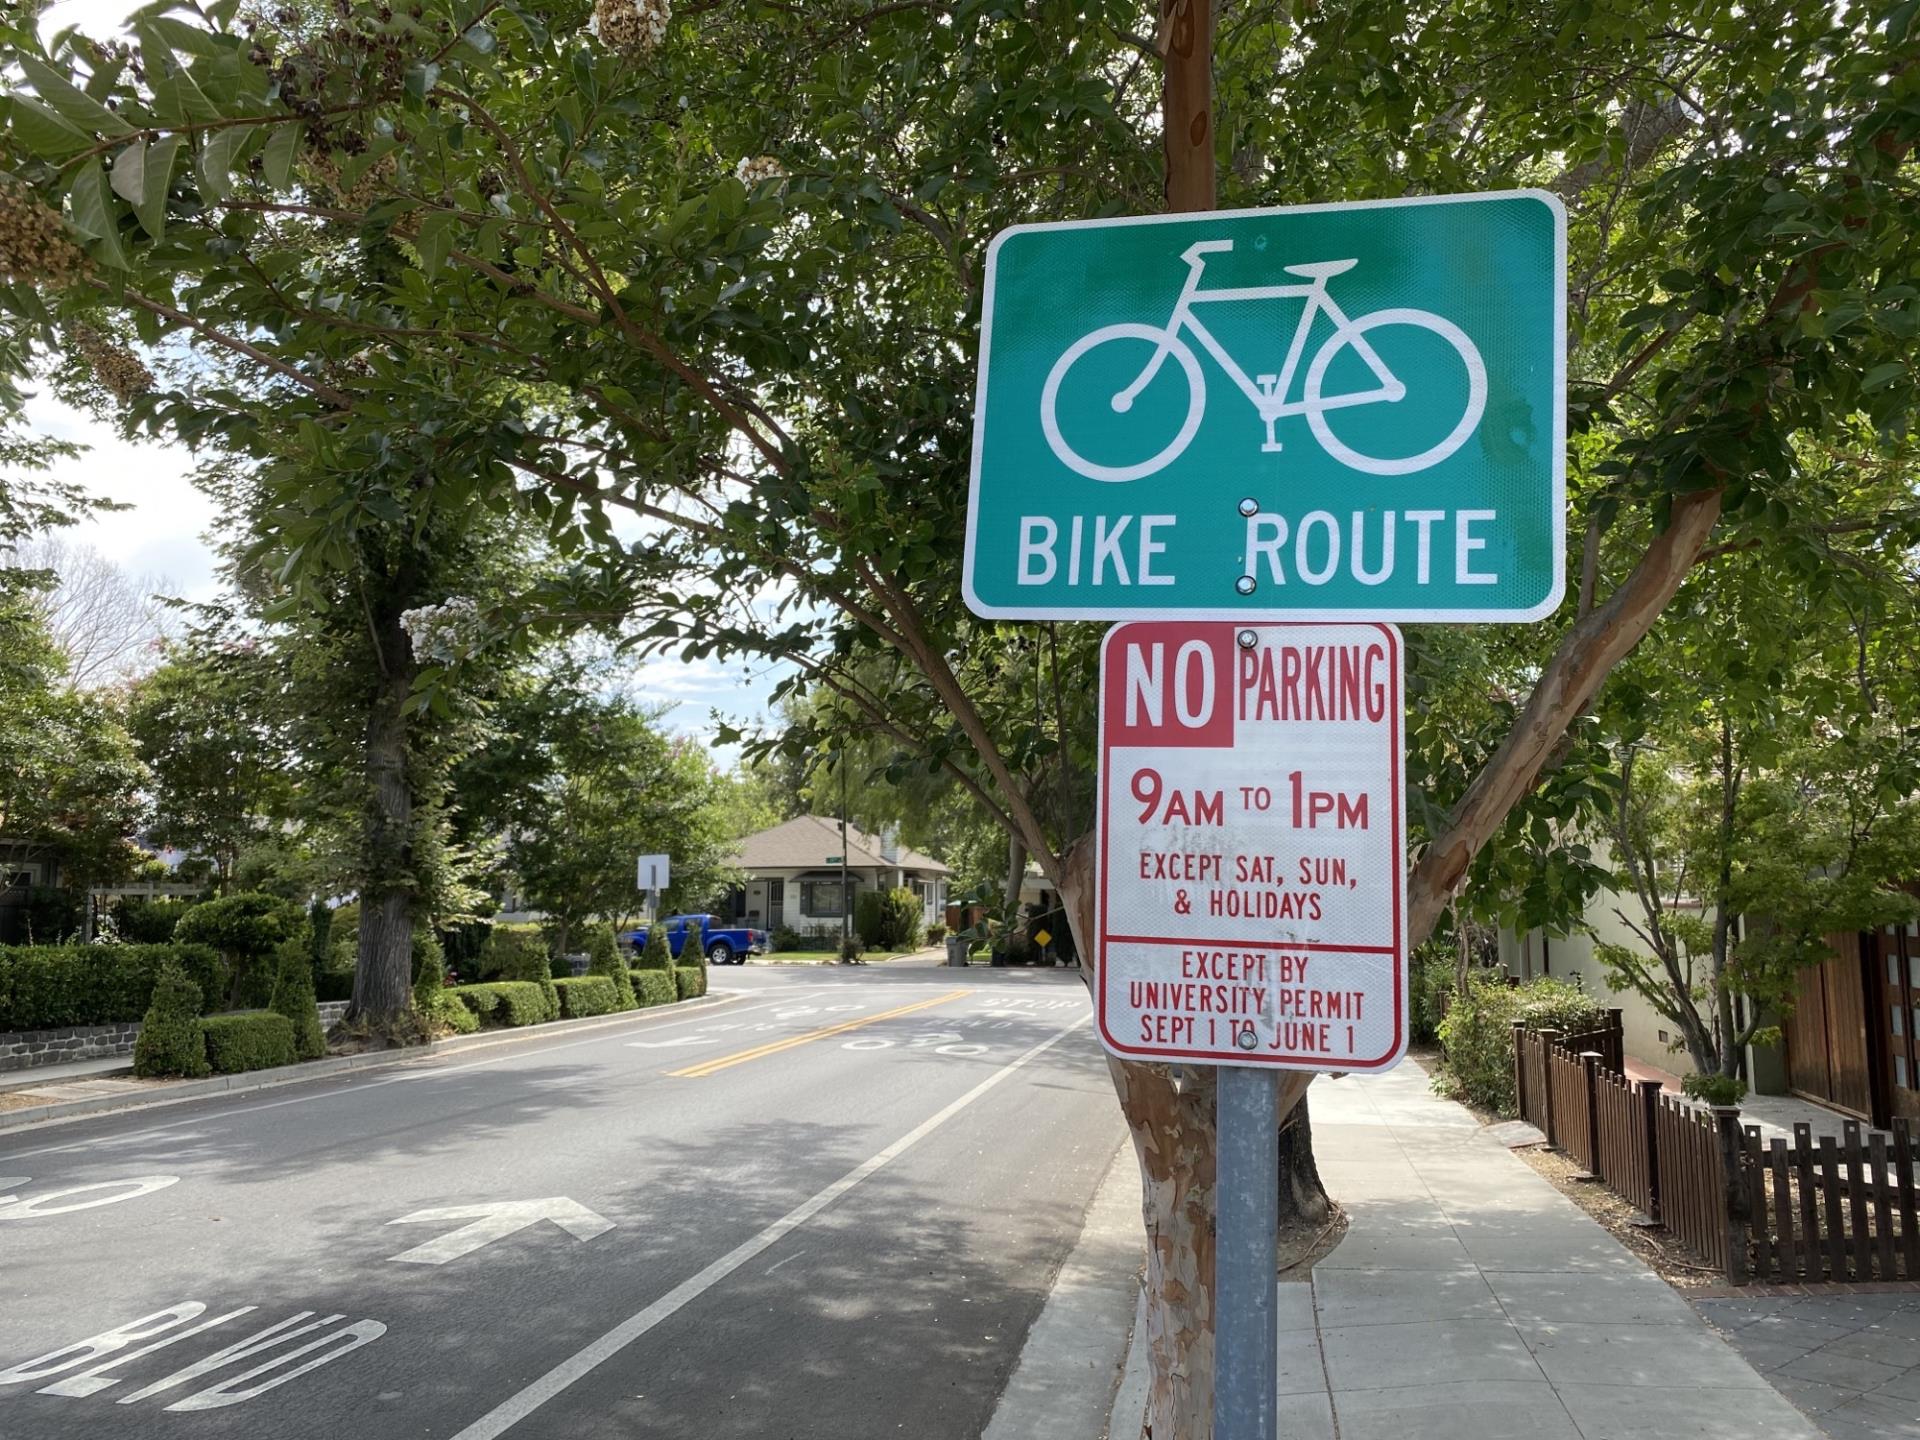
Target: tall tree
{"points": [[724, 272], [207, 723]]}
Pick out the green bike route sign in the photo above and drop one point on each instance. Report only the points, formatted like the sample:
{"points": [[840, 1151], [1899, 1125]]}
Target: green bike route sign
{"points": [[1325, 412]]}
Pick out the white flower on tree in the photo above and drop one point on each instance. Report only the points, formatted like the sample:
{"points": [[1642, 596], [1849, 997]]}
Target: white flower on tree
{"points": [[760, 168], [634, 26], [442, 633]]}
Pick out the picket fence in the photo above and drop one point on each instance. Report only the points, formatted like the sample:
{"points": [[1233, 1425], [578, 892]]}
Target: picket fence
{"points": [[1776, 1211]]}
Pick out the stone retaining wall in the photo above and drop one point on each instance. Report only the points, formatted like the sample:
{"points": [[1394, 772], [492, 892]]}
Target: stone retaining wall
{"points": [[28, 1049]]}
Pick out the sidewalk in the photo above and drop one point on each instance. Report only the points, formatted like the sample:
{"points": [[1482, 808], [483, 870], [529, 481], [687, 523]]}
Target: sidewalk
{"points": [[1470, 1300]]}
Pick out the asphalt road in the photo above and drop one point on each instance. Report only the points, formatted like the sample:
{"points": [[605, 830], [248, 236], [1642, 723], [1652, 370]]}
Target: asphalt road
{"points": [[829, 1207]]}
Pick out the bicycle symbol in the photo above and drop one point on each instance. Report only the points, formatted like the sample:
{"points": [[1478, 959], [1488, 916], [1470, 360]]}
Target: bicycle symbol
{"points": [[1268, 393]]}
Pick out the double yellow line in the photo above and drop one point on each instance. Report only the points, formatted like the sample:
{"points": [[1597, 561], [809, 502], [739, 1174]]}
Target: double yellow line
{"points": [[723, 1062]]}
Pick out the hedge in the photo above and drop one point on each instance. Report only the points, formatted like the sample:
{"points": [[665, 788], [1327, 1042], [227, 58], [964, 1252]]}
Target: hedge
{"points": [[505, 1002], [1477, 1035], [588, 995], [248, 1040], [44, 987], [655, 955], [655, 987], [444, 1011], [690, 981]]}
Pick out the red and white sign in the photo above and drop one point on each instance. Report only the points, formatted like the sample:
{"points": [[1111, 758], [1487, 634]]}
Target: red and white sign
{"points": [[1252, 862]]}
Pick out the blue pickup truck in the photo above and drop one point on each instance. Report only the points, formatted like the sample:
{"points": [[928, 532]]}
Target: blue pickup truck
{"points": [[726, 944]]}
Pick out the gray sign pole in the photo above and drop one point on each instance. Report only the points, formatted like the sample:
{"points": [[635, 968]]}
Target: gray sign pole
{"points": [[1246, 1255]]}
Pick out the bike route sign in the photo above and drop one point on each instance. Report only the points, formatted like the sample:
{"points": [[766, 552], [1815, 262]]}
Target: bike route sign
{"points": [[1322, 411], [1251, 872]]}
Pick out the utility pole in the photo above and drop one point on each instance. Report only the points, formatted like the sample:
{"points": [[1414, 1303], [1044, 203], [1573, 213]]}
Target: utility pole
{"points": [[846, 895]]}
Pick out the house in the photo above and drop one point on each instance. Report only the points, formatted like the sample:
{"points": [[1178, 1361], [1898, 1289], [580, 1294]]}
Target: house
{"points": [[793, 873], [24, 868]]}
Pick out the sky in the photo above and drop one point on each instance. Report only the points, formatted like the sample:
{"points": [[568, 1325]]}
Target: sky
{"points": [[164, 531]]}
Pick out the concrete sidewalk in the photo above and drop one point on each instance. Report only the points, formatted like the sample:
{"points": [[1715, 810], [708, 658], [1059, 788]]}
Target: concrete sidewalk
{"points": [[1471, 1299]]}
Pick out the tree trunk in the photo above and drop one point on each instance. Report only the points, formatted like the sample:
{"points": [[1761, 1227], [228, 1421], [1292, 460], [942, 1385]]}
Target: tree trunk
{"points": [[383, 971], [1016, 873], [1172, 1125]]}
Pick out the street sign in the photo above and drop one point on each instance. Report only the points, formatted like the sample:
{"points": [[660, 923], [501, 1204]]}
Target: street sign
{"points": [[835, 859], [1316, 412], [1251, 873], [653, 872]]}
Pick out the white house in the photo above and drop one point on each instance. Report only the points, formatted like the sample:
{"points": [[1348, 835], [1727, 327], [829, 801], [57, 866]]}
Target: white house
{"points": [[793, 875]]}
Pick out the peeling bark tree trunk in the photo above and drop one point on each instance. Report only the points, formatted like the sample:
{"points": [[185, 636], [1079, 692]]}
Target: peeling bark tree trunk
{"points": [[383, 970], [1172, 1126]]}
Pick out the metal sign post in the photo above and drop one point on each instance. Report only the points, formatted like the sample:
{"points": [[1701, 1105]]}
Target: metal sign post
{"points": [[1246, 1253]]}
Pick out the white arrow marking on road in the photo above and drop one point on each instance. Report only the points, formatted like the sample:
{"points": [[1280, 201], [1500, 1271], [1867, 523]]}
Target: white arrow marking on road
{"points": [[494, 1222], [10, 1182], [669, 1044]]}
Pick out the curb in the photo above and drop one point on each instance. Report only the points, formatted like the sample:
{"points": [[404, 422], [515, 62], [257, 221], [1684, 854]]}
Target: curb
{"points": [[1074, 1357], [15, 1121]]}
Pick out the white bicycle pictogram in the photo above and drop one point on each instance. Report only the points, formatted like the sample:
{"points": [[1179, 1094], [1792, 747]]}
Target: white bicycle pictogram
{"points": [[1268, 393]]}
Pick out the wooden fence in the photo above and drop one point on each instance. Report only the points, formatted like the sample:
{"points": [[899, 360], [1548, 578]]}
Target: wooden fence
{"points": [[1778, 1211]]}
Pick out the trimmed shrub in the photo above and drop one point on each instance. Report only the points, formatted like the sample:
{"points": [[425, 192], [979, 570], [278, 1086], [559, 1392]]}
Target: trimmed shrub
{"points": [[506, 1002], [588, 995], [444, 1011], [1478, 1033], [522, 956], [604, 958], [851, 949], [144, 921], [901, 919], [248, 1040], [43, 987], [245, 929], [655, 955], [655, 987], [171, 1041], [689, 981], [293, 997], [319, 933], [936, 934], [784, 937], [870, 917]]}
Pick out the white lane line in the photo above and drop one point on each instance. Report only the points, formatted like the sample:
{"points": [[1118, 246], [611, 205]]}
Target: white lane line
{"points": [[355, 1086], [510, 1412]]}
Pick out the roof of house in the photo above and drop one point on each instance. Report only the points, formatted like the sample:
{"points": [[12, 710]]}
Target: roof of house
{"points": [[805, 842]]}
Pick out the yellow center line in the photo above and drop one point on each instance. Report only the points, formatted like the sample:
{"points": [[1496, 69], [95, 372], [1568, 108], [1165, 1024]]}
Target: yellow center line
{"points": [[722, 1062]]}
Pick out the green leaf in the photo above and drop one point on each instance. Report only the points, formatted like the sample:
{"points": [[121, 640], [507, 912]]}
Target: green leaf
{"points": [[217, 157], [130, 173], [151, 206], [46, 134], [1881, 376], [278, 156], [94, 214], [75, 104], [421, 79], [435, 241]]}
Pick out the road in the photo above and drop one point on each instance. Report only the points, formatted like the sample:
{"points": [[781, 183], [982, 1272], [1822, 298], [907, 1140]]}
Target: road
{"points": [[829, 1206]]}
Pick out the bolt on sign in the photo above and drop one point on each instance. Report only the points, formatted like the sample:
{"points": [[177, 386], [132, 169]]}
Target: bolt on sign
{"points": [[1318, 412], [1251, 879]]}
